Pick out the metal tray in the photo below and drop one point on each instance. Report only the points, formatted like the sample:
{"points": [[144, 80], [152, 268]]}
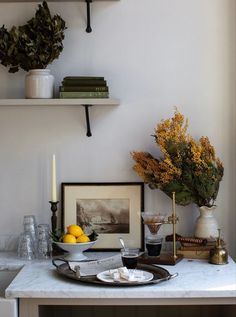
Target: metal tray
{"points": [[159, 275]]}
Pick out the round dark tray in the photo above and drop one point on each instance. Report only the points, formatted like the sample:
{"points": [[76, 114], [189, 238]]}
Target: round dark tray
{"points": [[159, 275]]}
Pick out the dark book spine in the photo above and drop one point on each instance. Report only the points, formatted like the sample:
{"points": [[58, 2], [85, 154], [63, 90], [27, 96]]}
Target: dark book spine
{"points": [[82, 78], [85, 83], [83, 88]]}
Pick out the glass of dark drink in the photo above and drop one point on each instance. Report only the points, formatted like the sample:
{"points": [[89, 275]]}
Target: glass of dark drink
{"points": [[153, 245], [129, 257]]}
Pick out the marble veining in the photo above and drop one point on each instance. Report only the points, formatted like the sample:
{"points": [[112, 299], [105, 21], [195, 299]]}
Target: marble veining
{"points": [[8, 242], [197, 279]]}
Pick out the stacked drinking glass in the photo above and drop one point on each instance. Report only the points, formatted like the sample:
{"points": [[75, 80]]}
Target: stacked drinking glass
{"points": [[35, 240], [44, 241], [28, 239]]}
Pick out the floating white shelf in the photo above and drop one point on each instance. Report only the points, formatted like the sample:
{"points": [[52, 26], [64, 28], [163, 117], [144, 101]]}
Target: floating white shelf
{"points": [[60, 102], [88, 3], [86, 103], [52, 0]]}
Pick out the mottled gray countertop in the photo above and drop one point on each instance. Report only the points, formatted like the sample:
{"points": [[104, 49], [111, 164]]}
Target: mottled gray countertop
{"points": [[197, 279]]}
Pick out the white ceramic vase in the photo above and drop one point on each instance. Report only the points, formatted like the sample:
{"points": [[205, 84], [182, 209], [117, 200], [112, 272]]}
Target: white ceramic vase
{"points": [[39, 84], [206, 224]]}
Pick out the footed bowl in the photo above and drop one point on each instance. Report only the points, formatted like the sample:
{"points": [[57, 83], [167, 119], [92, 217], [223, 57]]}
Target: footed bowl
{"points": [[75, 250]]}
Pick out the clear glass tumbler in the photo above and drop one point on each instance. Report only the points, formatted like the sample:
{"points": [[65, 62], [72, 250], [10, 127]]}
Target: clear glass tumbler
{"points": [[29, 224], [44, 227], [29, 219], [44, 242], [26, 249], [129, 257], [153, 245]]}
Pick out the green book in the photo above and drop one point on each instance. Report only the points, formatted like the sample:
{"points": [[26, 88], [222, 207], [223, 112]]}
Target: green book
{"points": [[68, 78], [84, 94], [83, 88], [84, 82]]}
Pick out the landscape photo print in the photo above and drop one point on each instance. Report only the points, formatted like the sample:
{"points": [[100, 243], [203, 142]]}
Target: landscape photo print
{"points": [[104, 215]]}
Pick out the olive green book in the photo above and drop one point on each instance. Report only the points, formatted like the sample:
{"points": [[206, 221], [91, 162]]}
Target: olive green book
{"points": [[83, 88], [71, 78], [84, 94], [86, 83]]}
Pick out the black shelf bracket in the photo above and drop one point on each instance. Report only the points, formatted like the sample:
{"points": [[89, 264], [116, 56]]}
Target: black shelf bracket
{"points": [[88, 29], [86, 107]]}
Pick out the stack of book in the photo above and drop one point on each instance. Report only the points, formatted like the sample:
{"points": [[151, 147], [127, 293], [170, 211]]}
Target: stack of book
{"points": [[194, 248], [192, 251], [83, 87]]}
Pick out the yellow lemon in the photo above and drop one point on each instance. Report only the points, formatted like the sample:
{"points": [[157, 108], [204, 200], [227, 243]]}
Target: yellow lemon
{"points": [[82, 238], [75, 230], [69, 238]]}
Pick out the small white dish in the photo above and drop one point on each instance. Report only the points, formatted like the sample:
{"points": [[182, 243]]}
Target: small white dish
{"points": [[107, 278]]}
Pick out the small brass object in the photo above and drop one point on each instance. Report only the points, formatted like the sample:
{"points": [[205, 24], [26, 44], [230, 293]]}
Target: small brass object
{"points": [[218, 255]]}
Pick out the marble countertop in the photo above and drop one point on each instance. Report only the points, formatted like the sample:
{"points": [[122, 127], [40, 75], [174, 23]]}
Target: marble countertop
{"points": [[10, 261], [197, 279]]}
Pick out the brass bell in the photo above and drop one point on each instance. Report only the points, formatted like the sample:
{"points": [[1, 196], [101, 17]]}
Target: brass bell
{"points": [[218, 255]]}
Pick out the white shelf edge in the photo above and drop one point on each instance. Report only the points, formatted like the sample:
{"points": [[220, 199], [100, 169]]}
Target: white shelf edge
{"points": [[60, 102], [11, 1]]}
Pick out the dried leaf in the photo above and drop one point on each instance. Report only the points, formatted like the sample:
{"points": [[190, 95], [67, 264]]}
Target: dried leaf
{"points": [[35, 44]]}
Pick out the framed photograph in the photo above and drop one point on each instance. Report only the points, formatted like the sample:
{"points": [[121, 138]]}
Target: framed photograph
{"points": [[113, 210]]}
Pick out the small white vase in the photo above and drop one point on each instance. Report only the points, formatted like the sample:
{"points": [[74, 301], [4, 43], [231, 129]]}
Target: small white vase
{"points": [[39, 84], [206, 225]]}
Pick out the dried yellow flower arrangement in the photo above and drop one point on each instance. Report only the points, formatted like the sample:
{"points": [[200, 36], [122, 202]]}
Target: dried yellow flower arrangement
{"points": [[188, 167]]}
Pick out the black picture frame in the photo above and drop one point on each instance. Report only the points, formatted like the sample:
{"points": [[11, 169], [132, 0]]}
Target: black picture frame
{"points": [[113, 210]]}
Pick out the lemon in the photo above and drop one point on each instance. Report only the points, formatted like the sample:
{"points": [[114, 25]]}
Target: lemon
{"points": [[82, 238], [75, 230], [69, 238]]}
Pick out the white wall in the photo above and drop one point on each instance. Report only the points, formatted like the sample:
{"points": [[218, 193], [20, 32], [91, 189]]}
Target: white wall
{"points": [[155, 55]]}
